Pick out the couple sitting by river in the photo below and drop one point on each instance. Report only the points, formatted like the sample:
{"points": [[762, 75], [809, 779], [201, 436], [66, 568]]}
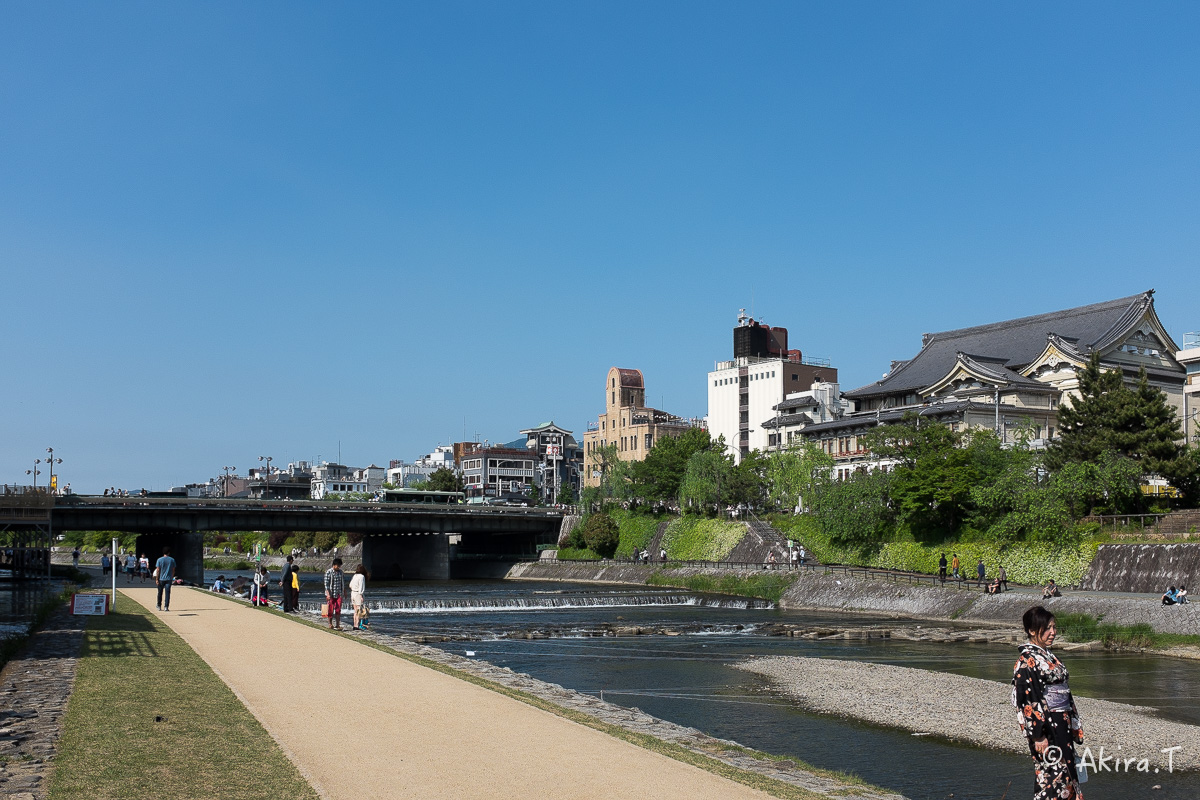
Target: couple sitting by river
{"points": [[1175, 597]]}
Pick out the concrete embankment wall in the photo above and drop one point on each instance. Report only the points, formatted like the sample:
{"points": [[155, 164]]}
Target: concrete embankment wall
{"points": [[1117, 609], [1142, 567], [844, 593]]}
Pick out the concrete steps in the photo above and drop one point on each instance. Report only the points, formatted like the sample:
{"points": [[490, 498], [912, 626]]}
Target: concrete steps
{"points": [[1178, 523]]}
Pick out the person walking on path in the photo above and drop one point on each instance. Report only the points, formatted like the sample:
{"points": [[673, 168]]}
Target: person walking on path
{"points": [[105, 563], [795, 558], [1046, 710], [144, 566], [285, 585], [1002, 578], [295, 589], [942, 568], [164, 575], [75, 558], [130, 566], [358, 588], [980, 571], [954, 566], [335, 589]]}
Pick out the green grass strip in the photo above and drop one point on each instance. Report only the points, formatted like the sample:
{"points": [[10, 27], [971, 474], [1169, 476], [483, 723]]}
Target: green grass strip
{"points": [[771, 786], [1088, 628], [767, 586], [134, 669]]}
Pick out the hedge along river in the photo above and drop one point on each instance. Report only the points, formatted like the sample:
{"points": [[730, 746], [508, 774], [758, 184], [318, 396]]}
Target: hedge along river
{"points": [[556, 632]]}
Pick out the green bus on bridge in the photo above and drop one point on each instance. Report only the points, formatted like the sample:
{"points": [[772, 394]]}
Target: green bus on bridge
{"points": [[423, 496]]}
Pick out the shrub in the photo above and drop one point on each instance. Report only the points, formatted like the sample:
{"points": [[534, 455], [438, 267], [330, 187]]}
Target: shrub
{"points": [[576, 554], [325, 540], [601, 534], [637, 529], [276, 539]]}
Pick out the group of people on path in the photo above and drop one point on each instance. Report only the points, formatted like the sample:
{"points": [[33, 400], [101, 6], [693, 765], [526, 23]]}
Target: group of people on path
{"points": [[289, 582], [998, 584], [133, 566], [335, 591]]}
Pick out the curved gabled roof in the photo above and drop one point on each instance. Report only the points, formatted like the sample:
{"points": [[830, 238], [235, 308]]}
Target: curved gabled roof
{"points": [[1014, 343]]}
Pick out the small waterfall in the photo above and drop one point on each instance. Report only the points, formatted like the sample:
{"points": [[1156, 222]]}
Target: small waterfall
{"points": [[555, 603]]}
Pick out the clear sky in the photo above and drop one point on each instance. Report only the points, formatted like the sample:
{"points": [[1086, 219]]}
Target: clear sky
{"points": [[240, 229]]}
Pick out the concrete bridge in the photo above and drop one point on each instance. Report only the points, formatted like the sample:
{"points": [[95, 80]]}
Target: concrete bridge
{"points": [[400, 540]]}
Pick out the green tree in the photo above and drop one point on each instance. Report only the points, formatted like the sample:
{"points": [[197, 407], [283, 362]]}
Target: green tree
{"points": [[855, 512], [444, 479], [601, 534], [659, 476], [793, 475], [616, 476], [325, 540], [566, 495], [707, 480]]}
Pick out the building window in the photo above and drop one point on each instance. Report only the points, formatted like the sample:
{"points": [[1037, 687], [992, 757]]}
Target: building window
{"points": [[795, 377], [649, 441]]}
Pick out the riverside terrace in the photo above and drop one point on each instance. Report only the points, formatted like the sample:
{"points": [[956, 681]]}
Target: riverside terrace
{"points": [[400, 540]]}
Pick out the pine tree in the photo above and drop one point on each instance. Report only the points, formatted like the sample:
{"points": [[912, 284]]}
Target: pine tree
{"points": [[1087, 427]]}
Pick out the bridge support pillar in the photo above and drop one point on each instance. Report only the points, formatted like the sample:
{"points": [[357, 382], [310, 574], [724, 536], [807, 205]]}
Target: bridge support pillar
{"points": [[419, 557], [186, 548]]}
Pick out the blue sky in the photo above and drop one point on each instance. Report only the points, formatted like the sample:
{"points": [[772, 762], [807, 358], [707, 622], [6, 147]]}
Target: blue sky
{"points": [[237, 229]]}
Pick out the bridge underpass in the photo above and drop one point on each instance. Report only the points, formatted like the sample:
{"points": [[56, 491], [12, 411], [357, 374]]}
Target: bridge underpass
{"points": [[400, 540]]}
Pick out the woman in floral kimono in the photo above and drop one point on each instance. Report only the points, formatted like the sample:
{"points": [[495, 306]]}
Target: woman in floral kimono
{"points": [[1046, 710]]}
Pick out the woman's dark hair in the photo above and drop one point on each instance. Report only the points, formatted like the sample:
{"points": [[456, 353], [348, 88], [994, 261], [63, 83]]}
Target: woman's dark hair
{"points": [[1037, 619], [361, 570]]}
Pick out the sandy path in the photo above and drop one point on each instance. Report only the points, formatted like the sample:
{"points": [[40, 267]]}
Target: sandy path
{"points": [[362, 724]]}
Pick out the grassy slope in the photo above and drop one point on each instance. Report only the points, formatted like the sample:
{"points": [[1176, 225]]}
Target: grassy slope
{"points": [[133, 669]]}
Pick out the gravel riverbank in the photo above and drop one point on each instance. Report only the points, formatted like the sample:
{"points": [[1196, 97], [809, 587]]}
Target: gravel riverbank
{"points": [[968, 709]]}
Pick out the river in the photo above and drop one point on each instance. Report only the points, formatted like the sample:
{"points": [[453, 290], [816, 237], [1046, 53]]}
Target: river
{"points": [[687, 678]]}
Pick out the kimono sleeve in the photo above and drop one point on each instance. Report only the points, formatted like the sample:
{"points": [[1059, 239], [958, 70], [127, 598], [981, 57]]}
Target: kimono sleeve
{"points": [[1030, 697]]}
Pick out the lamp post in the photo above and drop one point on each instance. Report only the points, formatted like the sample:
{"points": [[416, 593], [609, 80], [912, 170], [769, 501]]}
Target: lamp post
{"points": [[52, 461], [34, 472], [268, 460], [227, 471]]}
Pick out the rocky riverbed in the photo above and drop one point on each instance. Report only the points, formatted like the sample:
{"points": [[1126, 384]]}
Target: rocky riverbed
{"points": [[969, 709]]}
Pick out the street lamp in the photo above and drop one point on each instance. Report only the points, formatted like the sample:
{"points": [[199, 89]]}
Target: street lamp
{"points": [[52, 461], [34, 472], [268, 460], [227, 471]]}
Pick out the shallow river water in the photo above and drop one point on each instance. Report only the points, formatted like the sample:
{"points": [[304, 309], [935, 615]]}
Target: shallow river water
{"points": [[688, 678]]}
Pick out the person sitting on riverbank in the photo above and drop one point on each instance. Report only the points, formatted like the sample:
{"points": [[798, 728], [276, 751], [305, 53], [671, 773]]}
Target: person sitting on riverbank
{"points": [[994, 586], [1169, 597], [771, 561], [1051, 590], [1181, 595], [219, 585]]}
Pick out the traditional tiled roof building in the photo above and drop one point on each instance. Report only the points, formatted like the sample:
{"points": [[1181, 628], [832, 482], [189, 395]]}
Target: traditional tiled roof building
{"points": [[1009, 373]]}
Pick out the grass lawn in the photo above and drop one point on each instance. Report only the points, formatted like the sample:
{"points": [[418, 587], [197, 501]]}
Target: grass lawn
{"points": [[148, 718]]}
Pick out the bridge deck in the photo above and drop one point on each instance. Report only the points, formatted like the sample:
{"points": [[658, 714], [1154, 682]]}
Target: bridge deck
{"points": [[366, 724]]}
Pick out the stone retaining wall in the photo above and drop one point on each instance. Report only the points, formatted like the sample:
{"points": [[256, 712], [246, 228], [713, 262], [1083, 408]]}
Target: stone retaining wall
{"points": [[1142, 567]]}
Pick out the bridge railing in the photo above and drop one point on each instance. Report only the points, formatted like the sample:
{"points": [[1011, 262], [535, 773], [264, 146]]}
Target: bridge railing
{"points": [[205, 503]]}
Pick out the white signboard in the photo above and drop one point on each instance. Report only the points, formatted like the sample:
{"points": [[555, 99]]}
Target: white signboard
{"points": [[554, 451], [90, 604]]}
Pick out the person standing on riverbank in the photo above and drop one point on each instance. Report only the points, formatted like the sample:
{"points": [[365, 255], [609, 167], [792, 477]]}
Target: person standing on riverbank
{"points": [[358, 589], [285, 585], [335, 588], [980, 570], [942, 568], [164, 575], [954, 566], [1046, 710]]}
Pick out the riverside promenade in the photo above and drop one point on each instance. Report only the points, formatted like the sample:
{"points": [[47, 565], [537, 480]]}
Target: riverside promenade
{"points": [[360, 723]]}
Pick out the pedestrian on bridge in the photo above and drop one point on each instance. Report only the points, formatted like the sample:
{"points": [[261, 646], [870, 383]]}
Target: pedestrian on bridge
{"points": [[335, 589]]}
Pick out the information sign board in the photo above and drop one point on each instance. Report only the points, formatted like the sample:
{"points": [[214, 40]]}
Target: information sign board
{"points": [[90, 604]]}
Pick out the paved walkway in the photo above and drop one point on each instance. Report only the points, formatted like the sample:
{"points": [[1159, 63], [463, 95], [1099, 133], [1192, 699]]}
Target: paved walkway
{"points": [[362, 724]]}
